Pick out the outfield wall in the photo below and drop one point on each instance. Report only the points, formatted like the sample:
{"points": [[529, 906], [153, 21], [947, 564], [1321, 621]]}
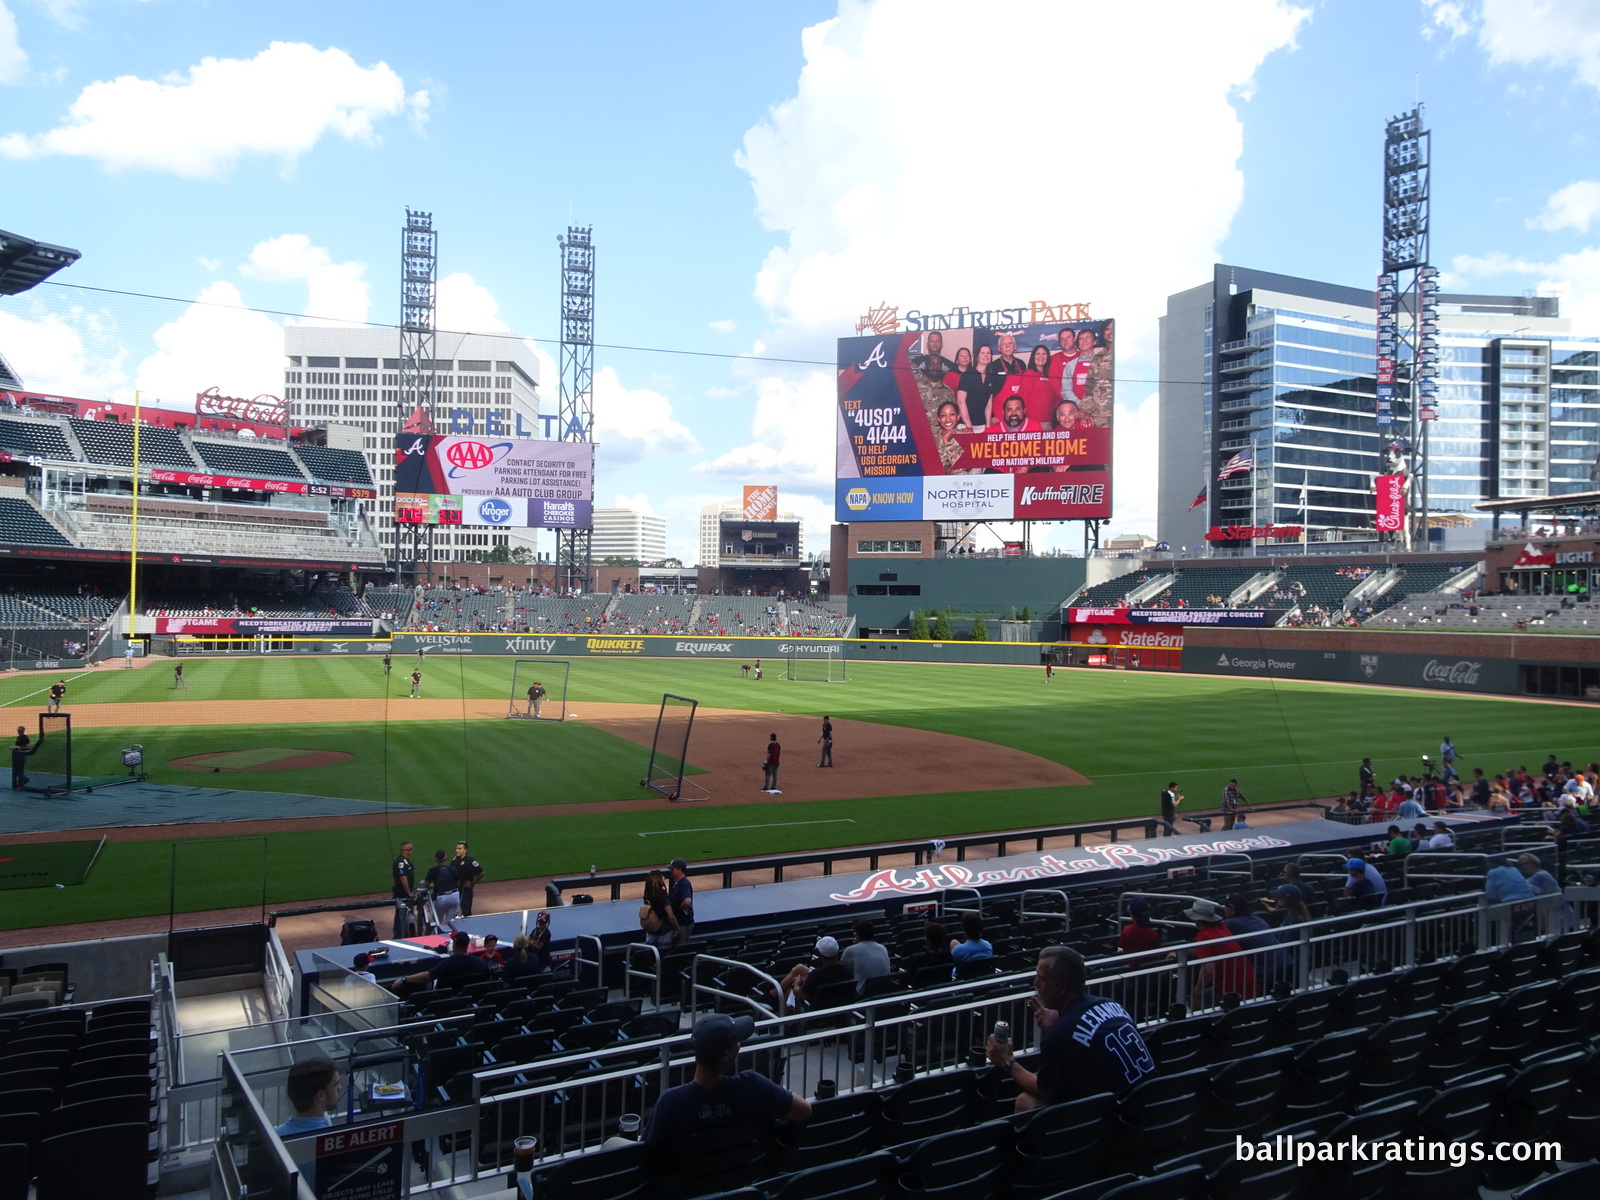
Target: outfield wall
{"points": [[738, 649], [1486, 663]]}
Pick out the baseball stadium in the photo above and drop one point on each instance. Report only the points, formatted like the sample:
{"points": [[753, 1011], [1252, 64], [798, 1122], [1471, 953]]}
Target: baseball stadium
{"points": [[354, 849]]}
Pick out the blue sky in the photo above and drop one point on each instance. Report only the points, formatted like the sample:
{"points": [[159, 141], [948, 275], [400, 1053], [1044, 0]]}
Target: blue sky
{"points": [[757, 176]]}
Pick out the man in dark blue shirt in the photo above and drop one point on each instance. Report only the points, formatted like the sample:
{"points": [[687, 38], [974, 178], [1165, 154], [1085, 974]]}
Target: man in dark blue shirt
{"points": [[1090, 1044], [720, 1096], [680, 899]]}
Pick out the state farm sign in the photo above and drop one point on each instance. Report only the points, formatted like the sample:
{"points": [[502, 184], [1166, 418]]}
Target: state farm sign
{"points": [[1129, 636]]}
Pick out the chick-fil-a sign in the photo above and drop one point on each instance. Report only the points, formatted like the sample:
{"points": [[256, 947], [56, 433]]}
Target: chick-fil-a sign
{"points": [[1113, 856]]}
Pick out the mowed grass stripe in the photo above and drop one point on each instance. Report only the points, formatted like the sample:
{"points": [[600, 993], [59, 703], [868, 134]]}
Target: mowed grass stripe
{"points": [[1129, 732]]}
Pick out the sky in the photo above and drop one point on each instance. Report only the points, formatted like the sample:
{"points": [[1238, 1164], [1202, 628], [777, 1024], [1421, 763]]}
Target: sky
{"points": [[757, 177]]}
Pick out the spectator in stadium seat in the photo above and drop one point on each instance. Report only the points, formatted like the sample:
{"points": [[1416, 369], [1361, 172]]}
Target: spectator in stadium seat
{"points": [[454, 971], [798, 989], [972, 945], [1505, 883], [1569, 825], [1090, 1044], [359, 967], [312, 1088], [719, 1096], [1291, 876], [1441, 839], [521, 963], [1138, 935], [1396, 843], [1212, 938], [1359, 884], [866, 957], [1542, 883], [1242, 920], [934, 953]]}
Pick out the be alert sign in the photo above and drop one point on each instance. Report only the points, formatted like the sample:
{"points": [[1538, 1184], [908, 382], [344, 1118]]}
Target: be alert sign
{"points": [[362, 1162]]}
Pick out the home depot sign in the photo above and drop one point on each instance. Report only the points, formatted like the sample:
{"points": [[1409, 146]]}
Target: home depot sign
{"points": [[1130, 636], [760, 503]]}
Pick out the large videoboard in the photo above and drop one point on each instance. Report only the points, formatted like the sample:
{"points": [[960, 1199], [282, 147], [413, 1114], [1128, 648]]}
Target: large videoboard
{"points": [[1007, 423], [506, 482]]}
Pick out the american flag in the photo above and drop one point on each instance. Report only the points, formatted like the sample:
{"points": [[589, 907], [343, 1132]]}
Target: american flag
{"points": [[1236, 465]]}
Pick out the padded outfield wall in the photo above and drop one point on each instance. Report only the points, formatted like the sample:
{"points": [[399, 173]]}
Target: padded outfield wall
{"points": [[735, 649], [1486, 663]]}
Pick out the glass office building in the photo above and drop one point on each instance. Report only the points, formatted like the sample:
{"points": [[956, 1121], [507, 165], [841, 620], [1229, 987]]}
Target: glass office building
{"points": [[1283, 371]]}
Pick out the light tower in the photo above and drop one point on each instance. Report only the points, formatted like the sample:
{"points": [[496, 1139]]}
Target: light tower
{"points": [[573, 546], [1408, 316], [419, 274]]}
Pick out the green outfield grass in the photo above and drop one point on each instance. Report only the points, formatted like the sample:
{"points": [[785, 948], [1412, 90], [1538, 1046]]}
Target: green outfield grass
{"points": [[1128, 732]]}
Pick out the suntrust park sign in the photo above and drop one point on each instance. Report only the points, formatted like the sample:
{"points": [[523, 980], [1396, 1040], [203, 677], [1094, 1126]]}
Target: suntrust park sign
{"points": [[886, 318]]}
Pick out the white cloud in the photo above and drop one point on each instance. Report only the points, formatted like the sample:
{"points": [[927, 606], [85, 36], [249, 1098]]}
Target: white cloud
{"points": [[76, 354], [633, 424], [724, 326], [215, 342], [1551, 33], [1573, 207], [463, 305], [66, 13], [198, 124], [639, 504], [1573, 278], [1135, 468], [859, 173], [212, 265], [1446, 16], [336, 293], [13, 58]]}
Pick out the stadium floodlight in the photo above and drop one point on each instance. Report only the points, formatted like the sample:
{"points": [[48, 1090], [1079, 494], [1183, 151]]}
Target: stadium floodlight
{"points": [[25, 262]]}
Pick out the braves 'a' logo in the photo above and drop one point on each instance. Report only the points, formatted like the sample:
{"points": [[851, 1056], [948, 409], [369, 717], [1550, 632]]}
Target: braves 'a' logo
{"points": [[876, 358]]}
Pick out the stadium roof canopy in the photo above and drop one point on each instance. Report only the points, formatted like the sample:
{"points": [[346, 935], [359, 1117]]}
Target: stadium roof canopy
{"points": [[1540, 504], [25, 262]]}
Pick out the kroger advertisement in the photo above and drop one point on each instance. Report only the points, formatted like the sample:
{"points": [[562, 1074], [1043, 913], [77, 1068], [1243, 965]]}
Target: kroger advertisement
{"points": [[1010, 423], [509, 482]]}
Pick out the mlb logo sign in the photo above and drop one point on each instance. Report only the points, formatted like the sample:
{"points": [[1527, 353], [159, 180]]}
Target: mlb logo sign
{"points": [[1369, 665]]}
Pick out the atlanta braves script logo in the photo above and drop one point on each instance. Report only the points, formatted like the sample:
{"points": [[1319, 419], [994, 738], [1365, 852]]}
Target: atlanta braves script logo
{"points": [[1115, 856], [876, 358]]}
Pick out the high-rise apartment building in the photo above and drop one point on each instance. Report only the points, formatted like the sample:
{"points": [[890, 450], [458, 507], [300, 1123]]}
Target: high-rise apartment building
{"points": [[625, 533], [489, 386], [1281, 372]]}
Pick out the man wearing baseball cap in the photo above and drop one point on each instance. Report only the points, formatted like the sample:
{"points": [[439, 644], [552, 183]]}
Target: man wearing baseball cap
{"points": [[798, 989], [680, 899], [720, 1096]]}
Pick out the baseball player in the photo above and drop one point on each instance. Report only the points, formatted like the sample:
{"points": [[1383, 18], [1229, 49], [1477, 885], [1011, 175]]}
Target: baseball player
{"points": [[388, 664], [179, 683], [416, 683], [58, 691]]}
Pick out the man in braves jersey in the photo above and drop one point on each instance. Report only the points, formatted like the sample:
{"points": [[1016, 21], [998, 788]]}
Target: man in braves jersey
{"points": [[1013, 419]]}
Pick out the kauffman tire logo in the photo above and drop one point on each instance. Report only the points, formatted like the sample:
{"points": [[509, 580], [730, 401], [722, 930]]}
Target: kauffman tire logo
{"points": [[1461, 674]]}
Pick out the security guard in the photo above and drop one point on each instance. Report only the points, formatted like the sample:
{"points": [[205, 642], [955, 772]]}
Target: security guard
{"points": [[468, 872], [405, 891]]}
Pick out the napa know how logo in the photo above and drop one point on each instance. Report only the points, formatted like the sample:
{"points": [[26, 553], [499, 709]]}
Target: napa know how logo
{"points": [[888, 499]]}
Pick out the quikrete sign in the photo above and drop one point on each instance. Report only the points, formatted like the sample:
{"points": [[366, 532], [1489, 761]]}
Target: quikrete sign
{"points": [[1239, 533]]}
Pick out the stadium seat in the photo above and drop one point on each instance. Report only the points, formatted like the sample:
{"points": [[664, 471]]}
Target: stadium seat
{"points": [[1246, 1095], [1392, 1121], [618, 1174], [16, 1170], [1062, 1141], [1394, 1059], [1180, 1045], [1533, 1104], [1305, 1016], [1159, 1116], [840, 1128], [1362, 1003], [106, 1160], [1245, 1030], [966, 1165], [1519, 1021], [1460, 1036], [1186, 1183], [870, 1177], [925, 1107], [1580, 1183], [1323, 1076], [1421, 989]]}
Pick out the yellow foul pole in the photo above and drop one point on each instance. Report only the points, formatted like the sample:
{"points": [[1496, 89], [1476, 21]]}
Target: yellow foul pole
{"points": [[133, 550]]}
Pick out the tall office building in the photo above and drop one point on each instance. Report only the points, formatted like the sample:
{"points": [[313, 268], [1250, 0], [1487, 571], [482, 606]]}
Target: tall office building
{"points": [[489, 386], [624, 533], [1282, 372]]}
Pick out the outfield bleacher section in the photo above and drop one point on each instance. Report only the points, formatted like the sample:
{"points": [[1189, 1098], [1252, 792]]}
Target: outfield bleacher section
{"points": [[112, 443], [559, 614], [35, 439], [649, 614], [460, 610], [1442, 610], [1113, 593], [21, 523], [742, 616], [1195, 587], [392, 603], [242, 459], [326, 465]]}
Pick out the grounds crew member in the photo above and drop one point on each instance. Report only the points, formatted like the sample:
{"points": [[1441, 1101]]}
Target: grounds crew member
{"points": [[179, 684], [388, 663], [20, 752], [58, 691], [416, 683], [536, 699], [469, 871]]}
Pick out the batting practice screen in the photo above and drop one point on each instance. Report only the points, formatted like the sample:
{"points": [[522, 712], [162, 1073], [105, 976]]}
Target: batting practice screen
{"points": [[669, 749], [1002, 423], [539, 689]]}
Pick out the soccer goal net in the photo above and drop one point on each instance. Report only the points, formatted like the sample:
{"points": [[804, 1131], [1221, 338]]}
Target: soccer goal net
{"points": [[817, 662], [538, 690], [669, 749]]}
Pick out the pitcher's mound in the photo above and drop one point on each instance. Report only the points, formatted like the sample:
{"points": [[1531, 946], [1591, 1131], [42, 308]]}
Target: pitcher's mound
{"points": [[262, 758]]}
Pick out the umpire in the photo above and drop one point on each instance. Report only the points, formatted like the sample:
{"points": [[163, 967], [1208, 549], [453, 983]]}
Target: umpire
{"points": [[469, 872]]}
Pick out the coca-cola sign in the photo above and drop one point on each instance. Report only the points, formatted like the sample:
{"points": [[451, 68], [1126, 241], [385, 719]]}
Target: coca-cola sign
{"points": [[1461, 674], [263, 410]]}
